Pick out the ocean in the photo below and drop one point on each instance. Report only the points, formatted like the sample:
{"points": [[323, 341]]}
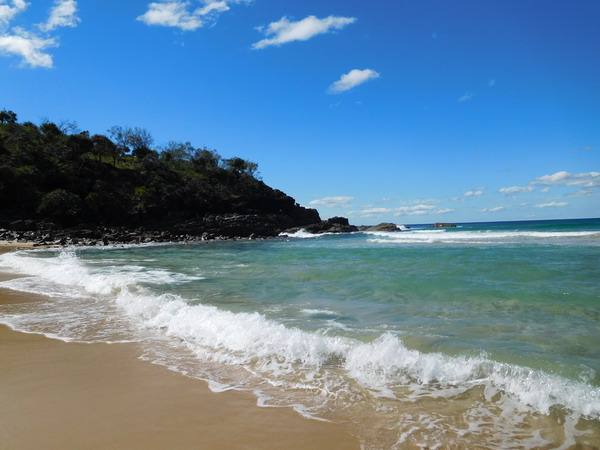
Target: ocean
{"points": [[482, 336]]}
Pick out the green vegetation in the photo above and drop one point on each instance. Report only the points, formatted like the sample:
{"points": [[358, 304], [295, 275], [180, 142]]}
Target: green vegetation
{"points": [[58, 173]]}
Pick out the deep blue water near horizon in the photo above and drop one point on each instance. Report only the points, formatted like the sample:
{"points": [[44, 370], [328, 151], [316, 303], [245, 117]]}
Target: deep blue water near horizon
{"points": [[484, 335]]}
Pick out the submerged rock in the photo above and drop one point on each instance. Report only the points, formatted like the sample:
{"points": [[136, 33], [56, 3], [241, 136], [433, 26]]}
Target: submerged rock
{"points": [[443, 225]]}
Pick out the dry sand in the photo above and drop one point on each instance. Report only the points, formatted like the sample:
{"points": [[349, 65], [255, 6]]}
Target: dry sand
{"points": [[57, 395]]}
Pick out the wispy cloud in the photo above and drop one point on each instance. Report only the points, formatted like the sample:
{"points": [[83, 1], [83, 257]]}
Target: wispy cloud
{"points": [[585, 148], [551, 205], [475, 192], [492, 82], [563, 178], [63, 14], [418, 210], [372, 211], [466, 96], [284, 30], [495, 209], [183, 14], [514, 190], [332, 202], [352, 79]]}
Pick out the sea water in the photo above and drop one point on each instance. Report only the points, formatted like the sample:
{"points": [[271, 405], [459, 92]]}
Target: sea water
{"points": [[486, 335]]}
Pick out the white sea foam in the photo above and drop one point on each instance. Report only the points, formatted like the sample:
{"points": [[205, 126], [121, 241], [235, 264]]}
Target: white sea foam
{"points": [[269, 351], [303, 234], [475, 237]]}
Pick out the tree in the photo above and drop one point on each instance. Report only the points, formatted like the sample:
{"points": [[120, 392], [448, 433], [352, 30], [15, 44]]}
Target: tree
{"points": [[180, 151], [127, 139], [68, 126], [240, 166], [7, 116], [104, 147], [138, 139], [60, 203], [206, 160], [50, 129], [119, 136]]}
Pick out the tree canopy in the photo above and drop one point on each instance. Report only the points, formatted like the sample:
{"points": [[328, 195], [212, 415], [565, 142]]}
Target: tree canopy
{"points": [[49, 172]]}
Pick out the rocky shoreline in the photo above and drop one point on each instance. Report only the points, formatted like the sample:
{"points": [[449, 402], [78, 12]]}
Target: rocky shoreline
{"points": [[212, 227], [218, 227]]}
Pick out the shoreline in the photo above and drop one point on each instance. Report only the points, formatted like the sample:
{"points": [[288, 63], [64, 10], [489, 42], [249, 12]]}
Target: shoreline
{"points": [[59, 395]]}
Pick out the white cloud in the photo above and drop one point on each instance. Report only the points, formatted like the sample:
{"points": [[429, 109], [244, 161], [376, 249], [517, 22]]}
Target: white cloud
{"points": [[551, 205], [418, 210], [466, 96], [376, 211], [284, 31], [513, 190], [63, 14], [332, 202], [29, 47], [352, 79], [475, 192], [8, 13], [585, 192], [563, 178], [545, 190], [495, 209], [180, 13], [171, 14]]}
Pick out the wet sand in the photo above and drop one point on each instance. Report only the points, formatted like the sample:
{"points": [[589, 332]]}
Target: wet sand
{"points": [[58, 395]]}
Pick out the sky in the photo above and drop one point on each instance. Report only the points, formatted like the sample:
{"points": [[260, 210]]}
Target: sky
{"points": [[380, 111]]}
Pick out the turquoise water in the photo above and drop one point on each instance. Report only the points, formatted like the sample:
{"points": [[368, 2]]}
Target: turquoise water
{"points": [[483, 335]]}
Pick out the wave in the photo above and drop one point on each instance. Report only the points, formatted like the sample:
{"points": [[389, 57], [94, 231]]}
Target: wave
{"points": [[477, 237], [272, 351], [303, 234], [313, 371]]}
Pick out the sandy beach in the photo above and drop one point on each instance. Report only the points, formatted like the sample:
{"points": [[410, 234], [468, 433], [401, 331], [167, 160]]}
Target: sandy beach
{"points": [[58, 395]]}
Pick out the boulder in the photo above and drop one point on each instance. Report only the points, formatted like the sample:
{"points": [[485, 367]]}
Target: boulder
{"points": [[333, 225], [385, 226]]}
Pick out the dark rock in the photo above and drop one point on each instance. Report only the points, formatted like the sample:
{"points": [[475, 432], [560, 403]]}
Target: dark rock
{"points": [[23, 225], [443, 225], [385, 226], [333, 225]]}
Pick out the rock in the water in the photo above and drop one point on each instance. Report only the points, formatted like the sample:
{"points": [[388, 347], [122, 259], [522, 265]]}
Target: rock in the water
{"points": [[333, 225], [443, 225], [385, 226]]}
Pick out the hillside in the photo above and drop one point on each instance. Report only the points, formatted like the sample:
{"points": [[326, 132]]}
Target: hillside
{"points": [[56, 177]]}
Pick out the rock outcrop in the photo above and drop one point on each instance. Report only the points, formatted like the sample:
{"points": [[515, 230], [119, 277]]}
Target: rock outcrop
{"points": [[443, 225], [385, 226], [333, 225]]}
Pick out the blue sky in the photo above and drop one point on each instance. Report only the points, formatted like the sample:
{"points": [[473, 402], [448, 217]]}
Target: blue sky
{"points": [[381, 110]]}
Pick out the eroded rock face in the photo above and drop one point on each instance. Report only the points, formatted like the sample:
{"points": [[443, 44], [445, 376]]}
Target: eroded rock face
{"points": [[443, 225]]}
